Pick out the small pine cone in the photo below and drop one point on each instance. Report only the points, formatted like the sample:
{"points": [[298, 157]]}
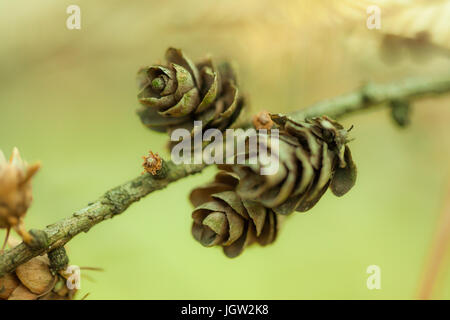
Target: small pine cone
{"points": [[15, 192], [313, 156], [222, 218], [178, 93]]}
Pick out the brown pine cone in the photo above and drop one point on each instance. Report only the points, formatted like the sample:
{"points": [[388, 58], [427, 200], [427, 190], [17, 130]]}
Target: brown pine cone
{"points": [[178, 93], [313, 156], [222, 218], [15, 192]]}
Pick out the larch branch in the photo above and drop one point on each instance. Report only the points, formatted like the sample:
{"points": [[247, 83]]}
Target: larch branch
{"points": [[117, 200]]}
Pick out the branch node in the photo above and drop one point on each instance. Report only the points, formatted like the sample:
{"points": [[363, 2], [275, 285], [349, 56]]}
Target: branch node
{"points": [[401, 112], [369, 93], [118, 198], [39, 240], [154, 165]]}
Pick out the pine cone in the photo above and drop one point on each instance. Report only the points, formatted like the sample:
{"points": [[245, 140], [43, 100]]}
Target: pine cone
{"points": [[222, 218], [178, 93], [313, 155], [15, 192], [34, 280]]}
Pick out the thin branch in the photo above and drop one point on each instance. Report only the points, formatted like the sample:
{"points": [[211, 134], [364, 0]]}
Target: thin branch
{"points": [[120, 198], [372, 96], [112, 203]]}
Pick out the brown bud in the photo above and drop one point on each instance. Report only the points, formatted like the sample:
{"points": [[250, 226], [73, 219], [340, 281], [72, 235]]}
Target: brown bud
{"points": [[152, 163], [262, 120]]}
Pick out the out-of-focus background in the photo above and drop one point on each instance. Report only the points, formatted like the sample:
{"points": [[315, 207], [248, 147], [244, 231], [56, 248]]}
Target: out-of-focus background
{"points": [[68, 98]]}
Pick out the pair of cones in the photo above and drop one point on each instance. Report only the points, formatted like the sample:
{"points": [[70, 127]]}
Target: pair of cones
{"points": [[241, 206]]}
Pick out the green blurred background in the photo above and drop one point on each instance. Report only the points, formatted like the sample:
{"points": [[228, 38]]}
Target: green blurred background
{"points": [[68, 98]]}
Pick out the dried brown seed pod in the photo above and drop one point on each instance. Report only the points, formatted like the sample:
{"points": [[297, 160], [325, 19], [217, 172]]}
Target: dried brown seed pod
{"points": [[15, 193]]}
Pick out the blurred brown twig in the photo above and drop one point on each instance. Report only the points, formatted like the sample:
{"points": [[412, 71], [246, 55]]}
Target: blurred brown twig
{"points": [[438, 251]]}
